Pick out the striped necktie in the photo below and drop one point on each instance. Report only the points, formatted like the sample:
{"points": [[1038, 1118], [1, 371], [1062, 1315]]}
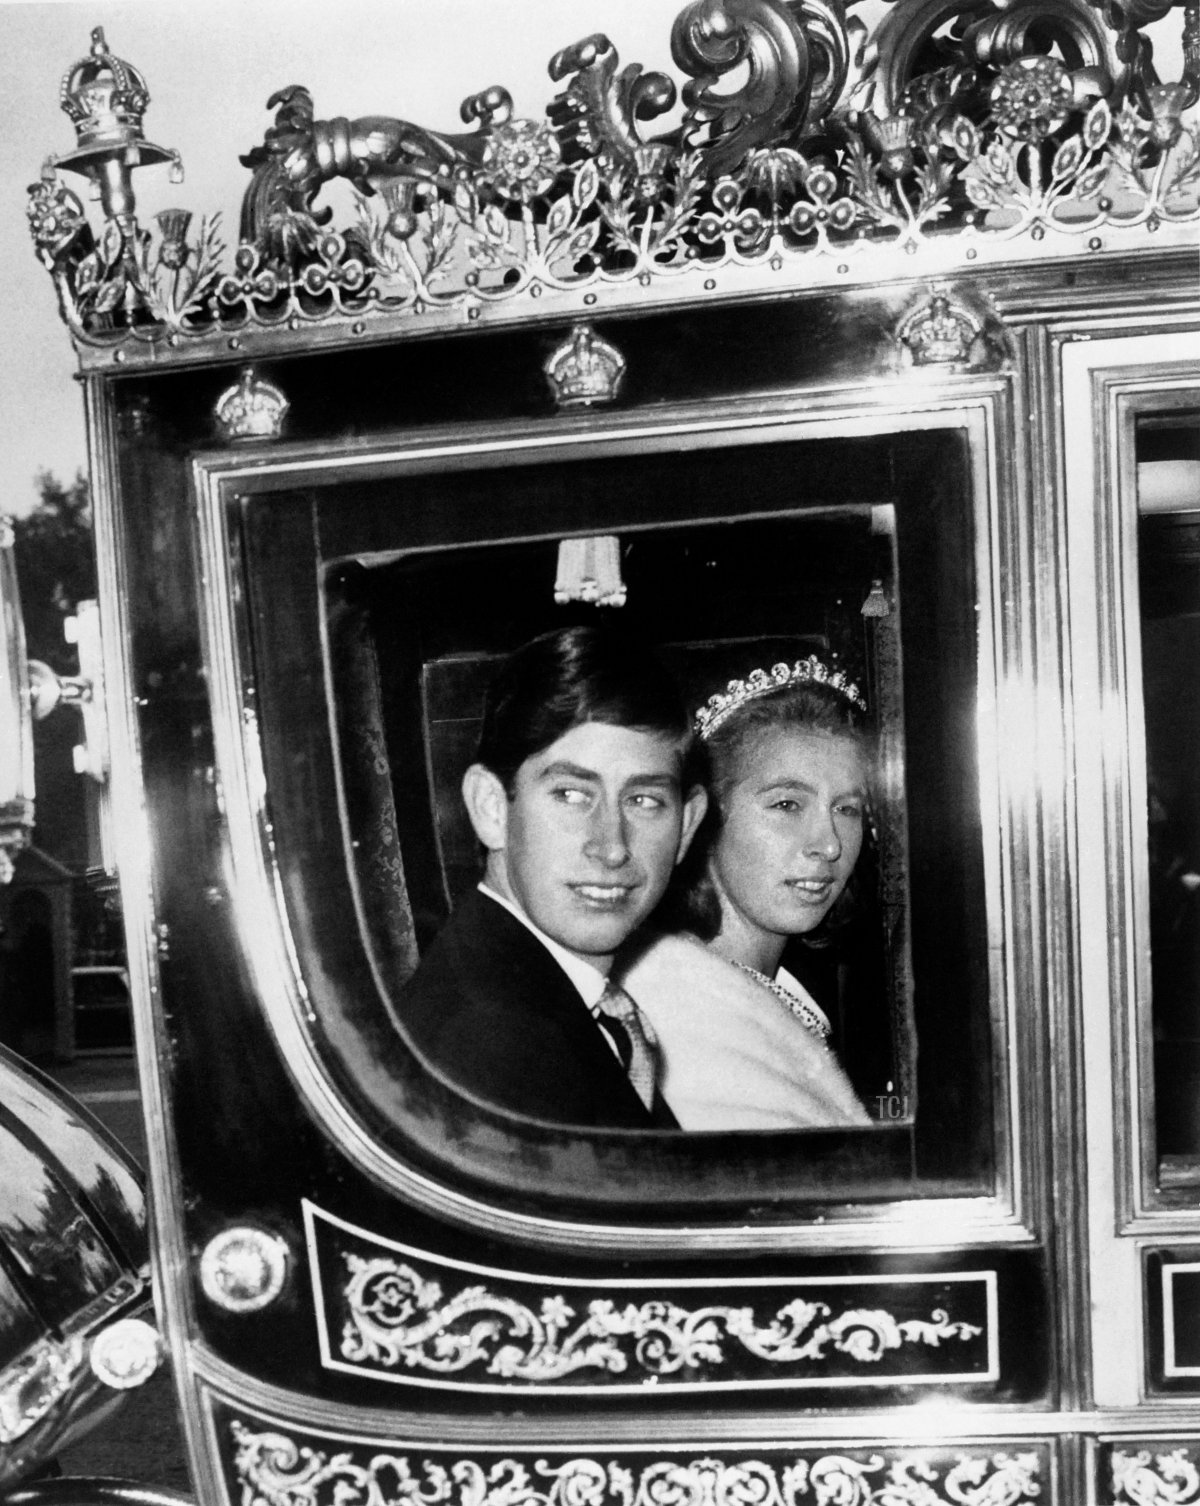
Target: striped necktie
{"points": [[634, 1038]]}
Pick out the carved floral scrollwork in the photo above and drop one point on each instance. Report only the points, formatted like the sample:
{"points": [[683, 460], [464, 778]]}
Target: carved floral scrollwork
{"points": [[1143, 1479], [273, 1469], [997, 121], [795, 58], [596, 116], [105, 284], [396, 1317]]}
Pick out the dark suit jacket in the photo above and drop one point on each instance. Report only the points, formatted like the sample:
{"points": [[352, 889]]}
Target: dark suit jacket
{"points": [[492, 1009]]}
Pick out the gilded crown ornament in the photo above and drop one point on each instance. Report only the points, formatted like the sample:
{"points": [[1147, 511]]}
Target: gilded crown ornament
{"points": [[105, 98], [252, 409], [760, 682], [585, 369], [940, 332]]}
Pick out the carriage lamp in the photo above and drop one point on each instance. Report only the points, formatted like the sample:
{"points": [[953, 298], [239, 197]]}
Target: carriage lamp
{"points": [[30, 691], [84, 690]]}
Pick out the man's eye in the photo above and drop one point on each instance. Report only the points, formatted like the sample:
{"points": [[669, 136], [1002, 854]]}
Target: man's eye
{"points": [[648, 802], [850, 808], [569, 795], [785, 803]]}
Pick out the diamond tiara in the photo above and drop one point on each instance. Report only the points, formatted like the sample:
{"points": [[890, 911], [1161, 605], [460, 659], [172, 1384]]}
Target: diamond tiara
{"points": [[759, 682]]}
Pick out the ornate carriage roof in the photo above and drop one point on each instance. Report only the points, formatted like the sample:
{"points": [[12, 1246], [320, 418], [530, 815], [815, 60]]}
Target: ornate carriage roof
{"points": [[957, 136]]}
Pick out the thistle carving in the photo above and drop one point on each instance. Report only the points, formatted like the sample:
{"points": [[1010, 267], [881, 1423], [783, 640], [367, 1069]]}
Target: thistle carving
{"points": [[805, 148], [274, 1466], [398, 1318]]}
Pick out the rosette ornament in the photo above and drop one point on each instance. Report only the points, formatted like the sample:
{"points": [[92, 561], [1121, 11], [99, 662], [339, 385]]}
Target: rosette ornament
{"points": [[521, 161], [1032, 98]]}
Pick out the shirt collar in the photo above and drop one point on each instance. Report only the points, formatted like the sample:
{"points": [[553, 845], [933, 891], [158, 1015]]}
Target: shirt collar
{"points": [[589, 981]]}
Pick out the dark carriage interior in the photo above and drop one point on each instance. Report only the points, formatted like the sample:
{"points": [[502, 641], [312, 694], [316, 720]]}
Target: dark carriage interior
{"points": [[1169, 589], [439, 623], [424, 578]]}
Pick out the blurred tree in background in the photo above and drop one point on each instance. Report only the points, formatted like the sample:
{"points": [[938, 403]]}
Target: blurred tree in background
{"points": [[56, 569], [55, 565]]}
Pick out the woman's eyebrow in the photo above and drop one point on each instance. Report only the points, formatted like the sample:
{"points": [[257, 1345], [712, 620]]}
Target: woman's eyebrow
{"points": [[809, 789]]}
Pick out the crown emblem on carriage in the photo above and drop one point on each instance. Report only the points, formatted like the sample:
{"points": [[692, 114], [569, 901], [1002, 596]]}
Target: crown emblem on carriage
{"points": [[104, 95], [252, 409], [760, 682], [584, 369], [105, 98], [940, 332]]}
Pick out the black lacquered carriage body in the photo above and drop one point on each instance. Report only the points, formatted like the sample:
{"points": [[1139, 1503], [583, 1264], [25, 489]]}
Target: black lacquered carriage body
{"points": [[871, 375]]}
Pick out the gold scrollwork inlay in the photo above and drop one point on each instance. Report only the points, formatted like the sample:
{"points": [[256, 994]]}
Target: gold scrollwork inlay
{"points": [[273, 1467], [397, 1317], [1145, 1479]]}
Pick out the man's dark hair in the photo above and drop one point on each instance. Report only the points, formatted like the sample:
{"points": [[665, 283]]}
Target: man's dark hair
{"points": [[590, 673]]}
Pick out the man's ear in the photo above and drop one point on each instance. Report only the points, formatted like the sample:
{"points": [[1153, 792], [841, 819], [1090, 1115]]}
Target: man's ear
{"points": [[487, 805], [693, 813]]}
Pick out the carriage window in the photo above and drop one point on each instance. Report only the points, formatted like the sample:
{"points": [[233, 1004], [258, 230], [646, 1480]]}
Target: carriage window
{"points": [[716, 602], [1168, 453], [378, 610]]}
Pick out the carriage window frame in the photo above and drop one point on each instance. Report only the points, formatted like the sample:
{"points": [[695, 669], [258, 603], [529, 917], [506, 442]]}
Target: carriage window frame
{"points": [[980, 410], [1143, 1201]]}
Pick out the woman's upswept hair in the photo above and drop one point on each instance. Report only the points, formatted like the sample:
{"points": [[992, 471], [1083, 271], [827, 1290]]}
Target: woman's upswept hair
{"points": [[691, 902], [589, 673]]}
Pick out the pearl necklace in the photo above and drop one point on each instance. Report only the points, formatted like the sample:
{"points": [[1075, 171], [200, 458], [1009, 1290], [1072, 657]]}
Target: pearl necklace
{"points": [[800, 1008]]}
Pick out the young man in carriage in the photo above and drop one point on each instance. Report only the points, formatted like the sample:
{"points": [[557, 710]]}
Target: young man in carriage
{"points": [[582, 797]]}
